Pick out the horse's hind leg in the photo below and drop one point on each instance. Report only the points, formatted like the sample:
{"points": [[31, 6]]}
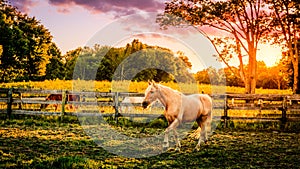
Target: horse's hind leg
{"points": [[203, 135]]}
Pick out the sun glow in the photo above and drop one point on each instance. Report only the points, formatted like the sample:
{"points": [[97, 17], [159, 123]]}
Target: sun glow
{"points": [[270, 54]]}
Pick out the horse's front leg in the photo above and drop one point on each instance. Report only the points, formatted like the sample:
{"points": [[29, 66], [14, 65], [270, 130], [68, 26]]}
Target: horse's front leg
{"points": [[173, 127], [178, 145], [166, 140]]}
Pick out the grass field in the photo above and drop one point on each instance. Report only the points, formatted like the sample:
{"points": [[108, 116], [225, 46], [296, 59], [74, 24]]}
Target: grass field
{"points": [[46, 142], [127, 86]]}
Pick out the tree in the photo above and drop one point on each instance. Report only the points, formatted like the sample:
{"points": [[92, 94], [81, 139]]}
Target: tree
{"points": [[56, 68], [286, 32], [154, 63], [25, 44], [136, 61], [231, 78], [209, 76], [202, 76], [184, 58], [245, 23], [279, 75], [69, 60]]}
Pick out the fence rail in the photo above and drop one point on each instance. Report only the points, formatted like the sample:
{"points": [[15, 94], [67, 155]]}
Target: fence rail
{"points": [[29, 101]]}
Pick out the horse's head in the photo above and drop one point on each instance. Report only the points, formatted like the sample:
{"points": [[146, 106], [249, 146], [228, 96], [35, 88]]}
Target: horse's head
{"points": [[151, 94]]}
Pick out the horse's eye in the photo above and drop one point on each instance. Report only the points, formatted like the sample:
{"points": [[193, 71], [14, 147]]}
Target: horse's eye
{"points": [[151, 92]]}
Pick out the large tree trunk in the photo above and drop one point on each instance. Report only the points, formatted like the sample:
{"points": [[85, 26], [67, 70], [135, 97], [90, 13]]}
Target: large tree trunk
{"points": [[296, 67], [293, 54], [298, 88], [251, 76], [296, 74]]}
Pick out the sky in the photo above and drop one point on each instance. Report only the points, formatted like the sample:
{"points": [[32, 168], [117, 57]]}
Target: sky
{"points": [[78, 23]]}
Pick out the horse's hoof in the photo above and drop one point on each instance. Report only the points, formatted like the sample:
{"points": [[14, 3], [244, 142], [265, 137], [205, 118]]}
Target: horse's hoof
{"points": [[177, 149], [197, 148]]}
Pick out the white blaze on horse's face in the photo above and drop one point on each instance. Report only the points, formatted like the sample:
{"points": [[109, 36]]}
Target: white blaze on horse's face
{"points": [[151, 94]]}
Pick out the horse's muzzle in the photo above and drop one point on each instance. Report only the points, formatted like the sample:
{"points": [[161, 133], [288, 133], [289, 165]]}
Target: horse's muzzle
{"points": [[145, 104]]}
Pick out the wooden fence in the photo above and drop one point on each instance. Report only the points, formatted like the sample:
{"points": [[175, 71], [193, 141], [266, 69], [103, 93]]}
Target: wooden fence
{"points": [[27, 101]]}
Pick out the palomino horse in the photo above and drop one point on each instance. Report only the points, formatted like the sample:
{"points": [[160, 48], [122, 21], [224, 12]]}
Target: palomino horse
{"points": [[181, 108]]}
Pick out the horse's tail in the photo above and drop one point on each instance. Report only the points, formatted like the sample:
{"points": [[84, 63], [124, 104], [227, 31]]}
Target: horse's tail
{"points": [[207, 105], [206, 101]]}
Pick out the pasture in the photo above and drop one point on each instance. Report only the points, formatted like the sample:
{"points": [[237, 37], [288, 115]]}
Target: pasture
{"points": [[127, 86], [48, 142], [28, 141]]}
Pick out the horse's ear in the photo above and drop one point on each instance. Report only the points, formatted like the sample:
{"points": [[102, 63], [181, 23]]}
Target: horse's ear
{"points": [[155, 85], [149, 82]]}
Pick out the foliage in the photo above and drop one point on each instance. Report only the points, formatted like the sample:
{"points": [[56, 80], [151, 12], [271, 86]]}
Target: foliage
{"points": [[56, 66], [135, 61], [285, 32], [245, 24], [211, 76], [25, 45], [289, 68], [275, 77]]}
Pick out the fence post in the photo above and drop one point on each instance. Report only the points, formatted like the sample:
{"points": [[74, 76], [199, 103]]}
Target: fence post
{"points": [[225, 111], [9, 102], [283, 116], [63, 103], [116, 106], [20, 105]]}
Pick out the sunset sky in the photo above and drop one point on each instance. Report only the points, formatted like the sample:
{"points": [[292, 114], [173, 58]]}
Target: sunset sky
{"points": [[76, 23]]}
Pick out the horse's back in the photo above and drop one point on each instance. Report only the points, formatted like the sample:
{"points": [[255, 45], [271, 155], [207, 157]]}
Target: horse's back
{"points": [[205, 103], [205, 98]]}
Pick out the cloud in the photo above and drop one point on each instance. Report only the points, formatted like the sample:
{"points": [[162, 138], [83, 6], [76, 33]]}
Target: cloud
{"points": [[24, 5], [116, 7]]}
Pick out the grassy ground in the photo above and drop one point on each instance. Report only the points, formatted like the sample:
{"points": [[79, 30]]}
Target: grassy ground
{"points": [[47, 142]]}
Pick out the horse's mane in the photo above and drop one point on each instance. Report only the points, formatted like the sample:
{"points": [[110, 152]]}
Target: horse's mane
{"points": [[169, 88]]}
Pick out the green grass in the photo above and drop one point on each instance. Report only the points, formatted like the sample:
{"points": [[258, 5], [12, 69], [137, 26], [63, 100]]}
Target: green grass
{"points": [[47, 142]]}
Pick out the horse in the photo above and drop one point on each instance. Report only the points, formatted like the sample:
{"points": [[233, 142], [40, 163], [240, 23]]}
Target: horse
{"points": [[58, 97], [180, 108], [126, 106]]}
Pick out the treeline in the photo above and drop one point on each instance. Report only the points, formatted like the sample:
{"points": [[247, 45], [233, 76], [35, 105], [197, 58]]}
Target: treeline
{"points": [[27, 53], [275, 77], [136, 61]]}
